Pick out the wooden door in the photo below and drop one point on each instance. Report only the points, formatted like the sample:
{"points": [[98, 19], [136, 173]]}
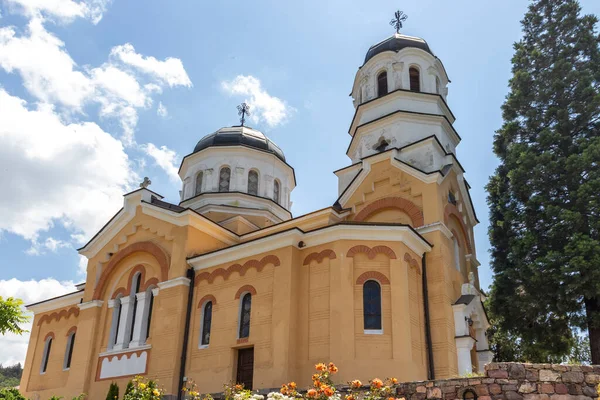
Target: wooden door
{"points": [[245, 367]]}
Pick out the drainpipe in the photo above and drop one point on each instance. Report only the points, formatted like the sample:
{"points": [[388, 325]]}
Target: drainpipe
{"points": [[186, 332], [430, 371]]}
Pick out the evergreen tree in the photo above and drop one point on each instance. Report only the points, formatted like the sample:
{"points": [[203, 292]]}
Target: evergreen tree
{"points": [[113, 392], [543, 197], [128, 388]]}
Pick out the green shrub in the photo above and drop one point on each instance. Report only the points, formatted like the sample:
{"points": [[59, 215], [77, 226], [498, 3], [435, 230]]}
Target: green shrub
{"points": [[113, 392], [11, 394]]}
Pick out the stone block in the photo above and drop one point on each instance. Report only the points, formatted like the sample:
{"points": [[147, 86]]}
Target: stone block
{"points": [[512, 395], [535, 396], [448, 389], [429, 384], [421, 389], [575, 368], [561, 388], [502, 381], [507, 388], [450, 396], [589, 391], [499, 397], [532, 374], [587, 368], [572, 377], [498, 374], [546, 388], [474, 382], [558, 367], [593, 379], [527, 387], [482, 390], [494, 388], [484, 398], [574, 389], [487, 381], [434, 393], [516, 371], [547, 375]]}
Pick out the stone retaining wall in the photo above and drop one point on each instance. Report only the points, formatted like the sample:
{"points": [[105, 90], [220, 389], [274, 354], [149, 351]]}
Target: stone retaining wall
{"points": [[513, 381]]}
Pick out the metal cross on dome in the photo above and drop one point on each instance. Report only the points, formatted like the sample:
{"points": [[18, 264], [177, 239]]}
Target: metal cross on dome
{"points": [[147, 182], [399, 18], [243, 110]]}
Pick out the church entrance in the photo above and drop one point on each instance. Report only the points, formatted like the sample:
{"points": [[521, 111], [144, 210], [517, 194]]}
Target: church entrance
{"points": [[245, 367]]}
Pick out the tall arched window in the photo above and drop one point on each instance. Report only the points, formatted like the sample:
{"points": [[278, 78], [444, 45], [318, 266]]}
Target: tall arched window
{"points": [[224, 178], [46, 355], [438, 86], [150, 301], [382, 84], [199, 178], [245, 308], [69, 351], [372, 306], [116, 322], [253, 182], [206, 323], [135, 288], [276, 191], [456, 254], [415, 79]]}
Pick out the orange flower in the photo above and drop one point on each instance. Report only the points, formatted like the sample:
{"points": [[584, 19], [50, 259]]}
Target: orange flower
{"points": [[239, 387], [356, 383], [315, 377], [350, 397], [391, 398], [328, 391], [311, 393], [394, 381], [377, 383], [292, 385], [320, 367], [317, 383]]}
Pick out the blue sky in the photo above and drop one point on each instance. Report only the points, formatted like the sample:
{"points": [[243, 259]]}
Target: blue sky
{"points": [[91, 91]]}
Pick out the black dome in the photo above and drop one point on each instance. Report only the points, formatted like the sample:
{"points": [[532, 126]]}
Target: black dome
{"points": [[240, 136], [396, 43]]}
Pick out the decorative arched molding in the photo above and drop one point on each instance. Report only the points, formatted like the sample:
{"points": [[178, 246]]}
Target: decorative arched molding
{"points": [[455, 234], [58, 315], [150, 282], [372, 275], [72, 330], [245, 289], [412, 262], [146, 247], [451, 211], [144, 284], [402, 204], [49, 335], [241, 269], [207, 298], [371, 252], [319, 257]]}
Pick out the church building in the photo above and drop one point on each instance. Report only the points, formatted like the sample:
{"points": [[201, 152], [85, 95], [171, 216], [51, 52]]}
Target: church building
{"points": [[228, 286]]}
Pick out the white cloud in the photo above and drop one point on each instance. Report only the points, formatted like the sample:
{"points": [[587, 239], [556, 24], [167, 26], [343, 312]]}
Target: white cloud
{"points": [[263, 106], [170, 70], [162, 111], [14, 347], [38, 248], [74, 174], [61, 10], [165, 158], [82, 266]]}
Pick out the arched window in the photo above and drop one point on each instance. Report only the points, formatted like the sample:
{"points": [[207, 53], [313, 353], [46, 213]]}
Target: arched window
{"points": [[46, 355], [150, 301], [276, 191], [116, 322], [438, 86], [245, 307], [382, 84], [224, 178], [451, 197], [415, 79], [69, 351], [206, 323], [253, 182], [199, 178], [456, 254], [135, 288], [372, 306]]}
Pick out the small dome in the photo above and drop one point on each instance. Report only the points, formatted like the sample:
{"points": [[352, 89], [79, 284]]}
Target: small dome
{"points": [[240, 136], [396, 43]]}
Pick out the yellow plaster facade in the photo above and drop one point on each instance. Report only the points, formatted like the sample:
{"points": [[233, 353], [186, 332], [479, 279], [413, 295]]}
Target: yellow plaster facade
{"points": [[156, 268]]}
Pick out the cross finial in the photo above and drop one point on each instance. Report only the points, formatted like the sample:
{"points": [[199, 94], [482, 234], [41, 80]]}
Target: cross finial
{"points": [[243, 110], [399, 18], [147, 182]]}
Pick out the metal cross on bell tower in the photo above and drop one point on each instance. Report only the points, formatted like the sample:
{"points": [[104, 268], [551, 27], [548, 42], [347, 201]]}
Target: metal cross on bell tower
{"points": [[399, 18], [243, 110]]}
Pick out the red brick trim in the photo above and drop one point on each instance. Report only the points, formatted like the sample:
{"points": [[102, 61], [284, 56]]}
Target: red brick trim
{"points": [[371, 252], [241, 269], [147, 247], [319, 257], [149, 282], [208, 297], [451, 211], [456, 236], [412, 262], [415, 214], [57, 315], [49, 335], [144, 285], [120, 291], [72, 330], [246, 288], [242, 340], [372, 275]]}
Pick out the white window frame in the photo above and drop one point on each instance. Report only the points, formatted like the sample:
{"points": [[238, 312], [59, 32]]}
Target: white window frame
{"points": [[202, 309], [70, 343], [239, 324], [373, 331], [46, 354]]}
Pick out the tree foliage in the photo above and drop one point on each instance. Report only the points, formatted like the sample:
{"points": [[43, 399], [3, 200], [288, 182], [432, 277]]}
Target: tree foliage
{"points": [[12, 316], [113, 392], [10, 376], [11, 394], [543, 197]]}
